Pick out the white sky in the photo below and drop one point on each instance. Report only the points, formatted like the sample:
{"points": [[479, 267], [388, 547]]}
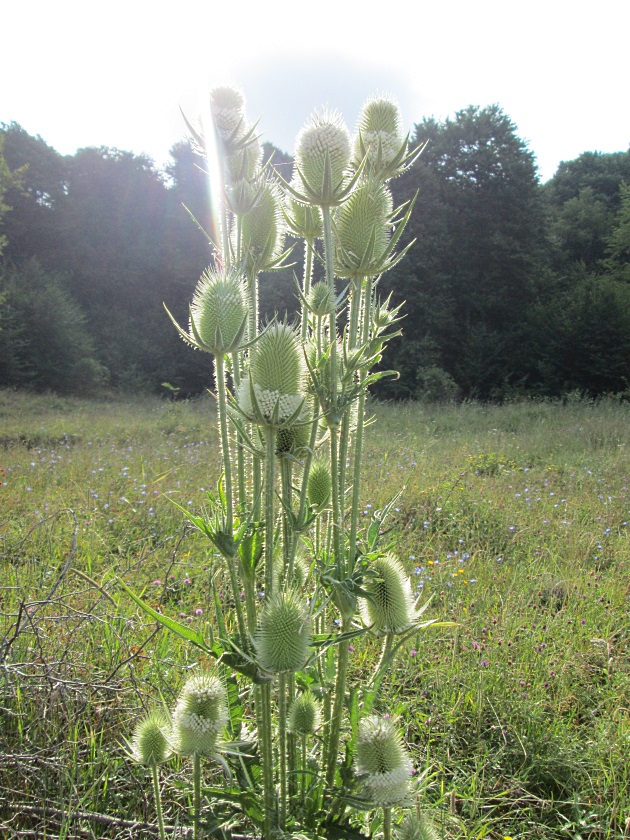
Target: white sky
{"points": [[115, 74]]}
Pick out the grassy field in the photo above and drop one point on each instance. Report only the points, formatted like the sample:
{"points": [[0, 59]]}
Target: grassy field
{"points": [[514, 519]]}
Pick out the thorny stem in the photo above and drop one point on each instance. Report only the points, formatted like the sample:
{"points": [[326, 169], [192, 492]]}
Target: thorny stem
{"points": [[196, 796], [158, 800]]}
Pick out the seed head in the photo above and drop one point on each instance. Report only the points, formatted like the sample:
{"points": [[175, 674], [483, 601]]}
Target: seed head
{"points": [[283, 637], [304, 220], [390, 608], [150, 740], [305, 714], [200, 715], [218, 312], [383, 761]]}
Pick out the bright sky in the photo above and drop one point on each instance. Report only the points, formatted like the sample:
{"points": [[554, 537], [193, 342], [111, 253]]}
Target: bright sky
{"points": [[116, 73]]}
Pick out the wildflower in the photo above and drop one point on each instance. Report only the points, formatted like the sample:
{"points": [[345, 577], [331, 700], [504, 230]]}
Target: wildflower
{"points": [[319, 484], [390, 606], [150, 740], [322, 155], [305, 714], [382, 761], [418, 826], [200, 714], [283, 637]]}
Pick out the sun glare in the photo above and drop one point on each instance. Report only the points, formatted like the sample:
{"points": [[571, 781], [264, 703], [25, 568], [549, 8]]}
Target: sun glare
{"points": [[216, 186]]}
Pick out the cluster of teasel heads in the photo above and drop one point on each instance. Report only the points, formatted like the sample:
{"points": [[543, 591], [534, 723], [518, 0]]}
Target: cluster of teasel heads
{"points": [[291, 406]]}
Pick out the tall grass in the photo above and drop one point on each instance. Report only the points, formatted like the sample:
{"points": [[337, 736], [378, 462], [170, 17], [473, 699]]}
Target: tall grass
{"points": [[513, 518]]}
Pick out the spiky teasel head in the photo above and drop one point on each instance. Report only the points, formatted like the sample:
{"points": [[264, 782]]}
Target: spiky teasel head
{"points": [[319, 484], [390, 607], [321, 299], [322, 155], [150, 743], [218, 312], [272, 393], [303, 220], [200, 715], [382, 761], [380, 137], [263, 230], [227, 105], [417, 826], [305, 714], [284, 634], [362, 231], [293, 440]]}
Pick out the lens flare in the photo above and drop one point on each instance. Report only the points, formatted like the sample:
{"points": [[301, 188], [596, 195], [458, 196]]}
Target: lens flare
{"points": [[216, 184]]}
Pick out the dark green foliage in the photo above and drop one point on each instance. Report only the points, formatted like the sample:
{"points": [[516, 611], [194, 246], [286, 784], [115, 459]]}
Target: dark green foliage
{"points": [[44, 341]]}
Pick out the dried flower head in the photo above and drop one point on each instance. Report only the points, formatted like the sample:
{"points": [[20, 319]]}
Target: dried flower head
{"points": [[382, 761], [201, 713], [284, 634], [150, 740], [305, 714], [390, 607]]}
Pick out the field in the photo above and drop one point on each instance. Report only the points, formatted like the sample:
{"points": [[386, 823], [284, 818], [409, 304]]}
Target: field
{"points": [[513, 519]]}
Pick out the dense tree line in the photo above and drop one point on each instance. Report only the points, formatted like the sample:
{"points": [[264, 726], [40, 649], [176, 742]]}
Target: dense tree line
{"points": [[512, 287]]}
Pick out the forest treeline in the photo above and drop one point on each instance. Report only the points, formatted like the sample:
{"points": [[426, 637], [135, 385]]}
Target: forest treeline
{"points": [[512, 287]]}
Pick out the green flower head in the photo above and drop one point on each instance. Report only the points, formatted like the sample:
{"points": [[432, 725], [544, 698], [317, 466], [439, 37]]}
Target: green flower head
{"points": [[321, 299], [200, 715], [390, 607], [363, 231], [263, 230], [218, 312], [284, 635], [227, 105], [417, 826], [382, 761], [305, 714], [380, 137], [303, 220], [150, 741], [319, 484], [322, 155]]}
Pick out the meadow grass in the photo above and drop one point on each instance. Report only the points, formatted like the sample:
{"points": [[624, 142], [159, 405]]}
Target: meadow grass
{"points": [[512, 520]]}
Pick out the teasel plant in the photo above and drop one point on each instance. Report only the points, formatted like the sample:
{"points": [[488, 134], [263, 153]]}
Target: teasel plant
{"points": [[306, 580]]}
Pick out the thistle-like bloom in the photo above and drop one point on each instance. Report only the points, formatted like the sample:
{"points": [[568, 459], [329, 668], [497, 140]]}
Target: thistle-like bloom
{"points": [[305, 714], [200, 715], [382, 761], [362, 231], [322, 155], [380, 139], [417, 826], [150, 740], [262, 230], [284, 634], [272, 393], [227, 105], [218, 313], [390, 607], [319, 484]]}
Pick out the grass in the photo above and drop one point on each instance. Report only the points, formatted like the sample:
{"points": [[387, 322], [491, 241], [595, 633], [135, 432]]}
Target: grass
{"points": [[513, 519]]}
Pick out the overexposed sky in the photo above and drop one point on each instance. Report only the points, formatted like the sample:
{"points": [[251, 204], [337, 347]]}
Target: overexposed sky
{"points": [[116, 74]]}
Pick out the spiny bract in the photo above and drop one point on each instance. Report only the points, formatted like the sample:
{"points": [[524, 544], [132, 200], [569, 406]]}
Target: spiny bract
{"points": [[319, 484], [417, 826], [390, 608], [382, 761], [284, 634], [200, 715], [262, 229]]}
